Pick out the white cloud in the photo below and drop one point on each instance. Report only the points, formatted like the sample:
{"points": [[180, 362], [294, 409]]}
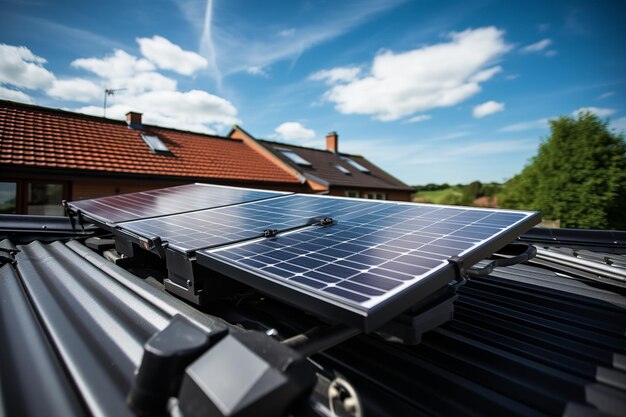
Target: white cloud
{"points": [[537, 46], [75, 89], [139, 88], [169, 56], [21, 68], [117, 65], [260, 71], [14, 95], [598, 111], [122, 71], [551, 53], [235, 44], [441, 75], [619, 124], [294, 131], [335, 75], [419, 118], [143, 82], [512, 76], [486, 74], [193, 110], [606, 95], [538, 124], [487, 108]]}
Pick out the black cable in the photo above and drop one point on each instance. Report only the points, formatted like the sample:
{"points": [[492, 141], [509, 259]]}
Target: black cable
{"points": [[522, 253]]}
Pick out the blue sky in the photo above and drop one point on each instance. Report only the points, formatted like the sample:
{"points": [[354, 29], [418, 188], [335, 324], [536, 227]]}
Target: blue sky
{"points": [[446, 91]]}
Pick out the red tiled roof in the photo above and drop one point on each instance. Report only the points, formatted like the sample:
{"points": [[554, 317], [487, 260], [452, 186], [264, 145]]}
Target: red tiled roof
{"points": [[47, 138]]}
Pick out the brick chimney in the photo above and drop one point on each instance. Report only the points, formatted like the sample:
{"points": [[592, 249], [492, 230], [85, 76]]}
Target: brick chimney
{"points": [[133, 119], [332, 142]]}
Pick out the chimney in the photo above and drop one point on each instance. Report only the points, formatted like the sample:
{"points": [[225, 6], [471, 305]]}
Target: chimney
{"points": [[133, 119], [332, 142]]}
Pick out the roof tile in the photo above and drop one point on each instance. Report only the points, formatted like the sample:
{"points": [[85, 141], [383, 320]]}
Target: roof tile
{"points": [[37, 136]]}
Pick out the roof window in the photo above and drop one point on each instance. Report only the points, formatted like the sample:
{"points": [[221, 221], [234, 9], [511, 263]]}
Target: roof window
{"points": [[294, 157], [155, 143], [343, 169], [356, 165]]}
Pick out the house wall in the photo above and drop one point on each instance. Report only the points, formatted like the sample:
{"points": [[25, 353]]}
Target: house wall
{"points": [[81, 185], [100, 187]]}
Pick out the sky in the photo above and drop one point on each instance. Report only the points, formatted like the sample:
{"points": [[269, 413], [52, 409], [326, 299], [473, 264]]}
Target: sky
{"points": [[433, 92]]}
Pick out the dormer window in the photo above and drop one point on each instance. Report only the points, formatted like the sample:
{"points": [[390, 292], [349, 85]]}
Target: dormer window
{"points": [[294, 157], [155, 144], [356, 165]]}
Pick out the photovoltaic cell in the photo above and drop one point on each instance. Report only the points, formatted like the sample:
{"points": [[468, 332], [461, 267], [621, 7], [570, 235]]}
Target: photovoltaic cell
{"points": [[375, 254], [184, 198], [207, 228]]}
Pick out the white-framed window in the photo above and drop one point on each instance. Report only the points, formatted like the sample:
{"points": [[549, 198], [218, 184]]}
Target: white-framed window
{"points": [[343, 169], [294, 157], [155, 143], [354, 194], [375, 196], [356, 164]]}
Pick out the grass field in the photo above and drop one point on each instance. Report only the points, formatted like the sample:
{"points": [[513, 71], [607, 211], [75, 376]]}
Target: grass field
{"points": [[439, 196]]}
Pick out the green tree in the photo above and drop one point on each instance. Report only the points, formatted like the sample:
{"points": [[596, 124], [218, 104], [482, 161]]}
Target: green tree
{"points": [[578, 176]]}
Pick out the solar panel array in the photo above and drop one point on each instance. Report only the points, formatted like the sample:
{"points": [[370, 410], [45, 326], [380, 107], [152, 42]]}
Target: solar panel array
{"points": [[370, 256], [214, 227], [370, 264], [184, 198]]}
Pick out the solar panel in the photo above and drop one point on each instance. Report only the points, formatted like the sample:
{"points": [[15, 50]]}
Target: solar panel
{"points": [[374, 262], [208, 228], [146, 204]]}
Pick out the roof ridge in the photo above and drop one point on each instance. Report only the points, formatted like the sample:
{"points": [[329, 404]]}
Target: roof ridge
{"points": [[305, 147], [78, 115]]}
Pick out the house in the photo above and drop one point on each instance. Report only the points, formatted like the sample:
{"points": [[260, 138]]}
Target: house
{"points": [[49, 155], [330, 171]]}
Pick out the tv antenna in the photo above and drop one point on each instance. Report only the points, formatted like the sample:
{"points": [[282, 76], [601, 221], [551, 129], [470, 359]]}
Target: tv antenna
{"points": [[109, 92]]}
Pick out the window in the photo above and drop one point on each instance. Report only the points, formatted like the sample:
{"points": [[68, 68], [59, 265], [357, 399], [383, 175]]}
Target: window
{"points": [[294, 157], [356, 165], [375, 196], [343, 169], [354, 194], [155, 143], [45, 199], [8, 197]]}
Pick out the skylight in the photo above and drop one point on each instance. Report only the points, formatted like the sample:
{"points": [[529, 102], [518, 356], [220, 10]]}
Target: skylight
{"points": [[343, 169], [155, 143], [294, 157], [356, 165]]}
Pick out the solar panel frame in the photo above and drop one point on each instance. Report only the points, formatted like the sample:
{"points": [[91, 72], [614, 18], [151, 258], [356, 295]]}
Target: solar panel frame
{"points": [[335, 308], [128, 207]]}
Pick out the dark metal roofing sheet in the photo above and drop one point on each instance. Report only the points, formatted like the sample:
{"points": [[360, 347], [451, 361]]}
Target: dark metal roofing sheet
{"points": [[97, 317], [527, 340], [524, 341]]}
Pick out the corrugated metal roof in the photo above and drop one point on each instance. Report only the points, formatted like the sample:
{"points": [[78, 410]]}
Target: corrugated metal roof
{"points": [[84, 322], [527, 340]]}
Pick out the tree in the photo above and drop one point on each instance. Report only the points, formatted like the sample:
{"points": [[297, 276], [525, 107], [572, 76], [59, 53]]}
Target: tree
{"points": [[578, 176]]}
